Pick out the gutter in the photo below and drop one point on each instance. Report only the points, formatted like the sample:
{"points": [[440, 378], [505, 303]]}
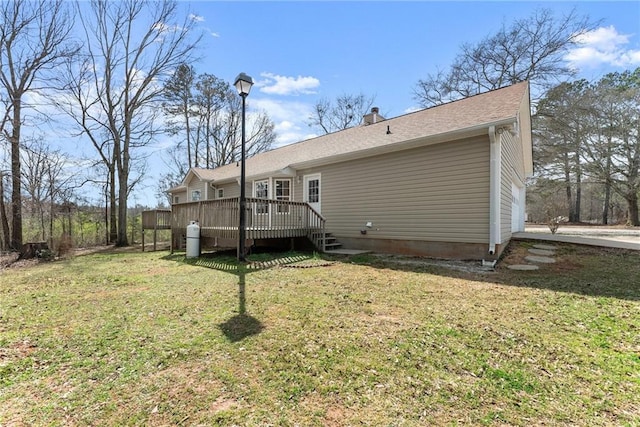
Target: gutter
{"points": [[495, 178], [398, 145]]}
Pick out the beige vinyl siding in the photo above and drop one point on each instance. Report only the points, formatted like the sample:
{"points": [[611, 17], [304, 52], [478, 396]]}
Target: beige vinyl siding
{"points": [[181, 195], [232, 189], [196, 185], [435, 193], [512, 171]]}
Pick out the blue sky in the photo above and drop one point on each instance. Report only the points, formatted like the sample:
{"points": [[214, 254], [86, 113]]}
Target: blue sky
{"points": [[299, 52]]}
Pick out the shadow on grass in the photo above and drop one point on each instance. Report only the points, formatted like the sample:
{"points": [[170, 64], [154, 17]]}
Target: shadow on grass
{"points": [[242, 325], [581, 270]]}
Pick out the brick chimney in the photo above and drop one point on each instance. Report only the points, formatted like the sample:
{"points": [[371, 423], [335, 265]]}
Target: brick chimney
{"points": [[373, 117]]}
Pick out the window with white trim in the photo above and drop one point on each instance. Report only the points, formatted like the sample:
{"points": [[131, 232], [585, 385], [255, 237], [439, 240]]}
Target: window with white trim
{"points": [[195, 195], [283, 193], [261, 191], [176, 199], [220, 193]]}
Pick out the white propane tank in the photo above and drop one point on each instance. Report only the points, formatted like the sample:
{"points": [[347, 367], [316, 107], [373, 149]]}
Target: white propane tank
{"points": [[193, 240]]}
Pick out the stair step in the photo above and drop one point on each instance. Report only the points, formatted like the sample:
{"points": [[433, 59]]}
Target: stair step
{"points": [[326, 240], [321, 236]]}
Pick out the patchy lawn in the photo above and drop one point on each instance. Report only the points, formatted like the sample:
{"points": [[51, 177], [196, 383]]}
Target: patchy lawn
{"points": [[136, 338]]}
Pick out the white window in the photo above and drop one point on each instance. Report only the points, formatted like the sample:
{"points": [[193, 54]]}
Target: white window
{"points": [[220, 193], [176, 199], [195, 195], [283, 193], [261, 191]]}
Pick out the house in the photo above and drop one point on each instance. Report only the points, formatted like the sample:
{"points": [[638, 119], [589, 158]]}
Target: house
{"points": [[447, 181]]}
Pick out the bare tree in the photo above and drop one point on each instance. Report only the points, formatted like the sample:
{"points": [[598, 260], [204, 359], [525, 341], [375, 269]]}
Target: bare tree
{"points": [[561, 127], [211, 97], [178, 105], [216, 135], [226, 127], [44, 180], [529, 49], [613, 149], [346, 111], [131, 46], [34, 39]]}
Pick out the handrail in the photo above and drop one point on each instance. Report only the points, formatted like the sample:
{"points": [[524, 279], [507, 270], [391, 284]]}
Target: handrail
{"points": [[156, 219], [266, 218]]}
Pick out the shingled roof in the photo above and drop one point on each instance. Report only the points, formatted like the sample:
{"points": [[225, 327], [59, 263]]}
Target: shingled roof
{"points": [[431, 125]]}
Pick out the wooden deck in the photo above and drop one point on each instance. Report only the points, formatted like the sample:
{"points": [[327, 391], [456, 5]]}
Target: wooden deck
{"points": [[158, 219], [265, 219]]}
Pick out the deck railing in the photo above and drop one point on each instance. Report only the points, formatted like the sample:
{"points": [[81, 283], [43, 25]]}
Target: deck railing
{"points": [[158, 219], [265, 219]]}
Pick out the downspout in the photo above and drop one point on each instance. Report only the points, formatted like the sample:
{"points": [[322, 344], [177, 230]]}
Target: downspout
{"points": [[495, 166]]}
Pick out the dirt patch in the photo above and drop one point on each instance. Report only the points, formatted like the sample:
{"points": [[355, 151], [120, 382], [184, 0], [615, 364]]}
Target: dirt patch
{"points": [[10, 259], [474, 267], [514, 254], [16, 350]]}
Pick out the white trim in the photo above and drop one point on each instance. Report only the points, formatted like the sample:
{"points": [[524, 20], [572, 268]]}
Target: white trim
{"points": [[275, 196], [495, 166], [305, 190]]}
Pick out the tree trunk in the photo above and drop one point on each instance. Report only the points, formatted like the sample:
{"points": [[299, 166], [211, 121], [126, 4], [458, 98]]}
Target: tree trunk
{"points": [[106, 213], [122, 164], [567, 183], [16, 195], [578, 203], [632, 201], [113, 212], [6, 235], [607, 202]]}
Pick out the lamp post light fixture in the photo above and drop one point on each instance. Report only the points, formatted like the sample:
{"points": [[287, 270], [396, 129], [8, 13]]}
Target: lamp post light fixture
{"points": [[243, 84]]}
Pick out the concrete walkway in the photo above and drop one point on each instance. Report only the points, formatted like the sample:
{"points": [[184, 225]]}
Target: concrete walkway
{"points": [[632, 242], [542, 253]]}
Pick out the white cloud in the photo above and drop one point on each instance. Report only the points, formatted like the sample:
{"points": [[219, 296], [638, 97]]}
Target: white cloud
{"points": [[290, 119], [196, 18], [603, 46], [412, 109], [275, 84]]}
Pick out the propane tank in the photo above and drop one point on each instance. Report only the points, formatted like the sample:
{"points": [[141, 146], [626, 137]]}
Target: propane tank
{"points": [[193, 240]]}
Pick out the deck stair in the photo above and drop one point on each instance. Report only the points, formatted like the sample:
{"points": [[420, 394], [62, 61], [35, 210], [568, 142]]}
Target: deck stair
{"points": [[326, 240]]}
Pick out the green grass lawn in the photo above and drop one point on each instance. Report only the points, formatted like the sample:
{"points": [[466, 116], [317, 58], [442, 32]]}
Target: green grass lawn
{"points": [[131, 338]]}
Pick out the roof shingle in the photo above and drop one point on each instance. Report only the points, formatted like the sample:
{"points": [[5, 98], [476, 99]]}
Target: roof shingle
{"points": [[483, 109]]}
